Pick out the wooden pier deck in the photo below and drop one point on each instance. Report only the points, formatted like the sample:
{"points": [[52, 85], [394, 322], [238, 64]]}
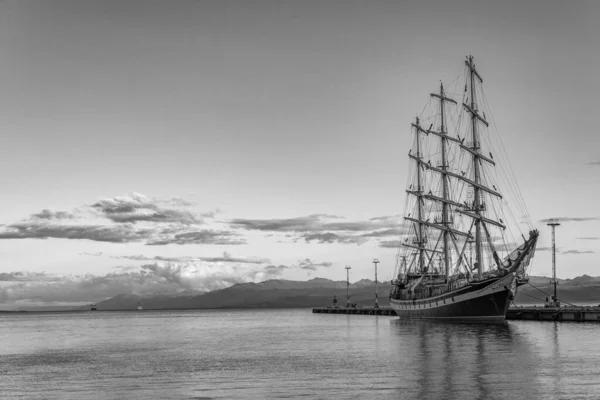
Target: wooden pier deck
{"points": [[575, 314], [355, 310]]}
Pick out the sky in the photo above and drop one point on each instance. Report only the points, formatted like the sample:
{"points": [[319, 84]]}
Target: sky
{"points": [[154, 146]]}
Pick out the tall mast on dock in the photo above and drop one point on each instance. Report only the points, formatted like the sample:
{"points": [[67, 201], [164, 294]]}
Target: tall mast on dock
{"points": [[348, 268], [376, 261], [553, 225], [444, 167]]}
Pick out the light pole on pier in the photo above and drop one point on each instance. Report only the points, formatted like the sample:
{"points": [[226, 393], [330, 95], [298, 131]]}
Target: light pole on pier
{"points": [[553, 225], [376, 261], [348, 268]]}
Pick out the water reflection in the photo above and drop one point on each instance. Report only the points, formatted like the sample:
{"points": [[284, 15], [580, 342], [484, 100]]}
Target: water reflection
{"points": [[457, 361], [255, 354]]}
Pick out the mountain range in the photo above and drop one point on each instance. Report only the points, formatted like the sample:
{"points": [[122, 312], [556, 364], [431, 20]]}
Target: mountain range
{"points": [[274, 293], [319, 292], [582, 290]]}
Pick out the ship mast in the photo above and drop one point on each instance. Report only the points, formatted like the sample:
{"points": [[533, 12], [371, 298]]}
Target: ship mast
{"points": [[420, 222], [444, 167], [477, 206], [420, 241], [476, 209]]}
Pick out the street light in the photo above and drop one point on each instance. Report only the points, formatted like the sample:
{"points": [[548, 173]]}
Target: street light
{"points": [[553, 225], [376, 261], [348, 268]]}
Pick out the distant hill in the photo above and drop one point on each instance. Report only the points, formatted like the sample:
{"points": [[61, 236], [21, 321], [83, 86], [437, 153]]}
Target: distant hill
{"points": [[52, 308], [275, 293], [281, 293], [584, 289], [318, 292]]}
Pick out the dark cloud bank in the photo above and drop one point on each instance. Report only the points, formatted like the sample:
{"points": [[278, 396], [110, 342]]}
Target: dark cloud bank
{"points": [[154, 222], [322, 228], [124, 219]]}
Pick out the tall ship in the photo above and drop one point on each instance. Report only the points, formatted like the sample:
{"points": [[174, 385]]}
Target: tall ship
{"points": [[463, 252]]}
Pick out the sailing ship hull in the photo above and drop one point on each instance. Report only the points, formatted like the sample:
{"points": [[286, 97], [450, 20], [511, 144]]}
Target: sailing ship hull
{"points": [[480, 303]]}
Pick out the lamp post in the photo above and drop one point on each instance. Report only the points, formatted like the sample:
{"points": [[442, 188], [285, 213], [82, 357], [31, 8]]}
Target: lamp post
{"points": [[553, 225], [376, 261], [348, 268]]}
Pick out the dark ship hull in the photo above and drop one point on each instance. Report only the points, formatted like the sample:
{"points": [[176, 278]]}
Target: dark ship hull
{"points": [[485, 301]]}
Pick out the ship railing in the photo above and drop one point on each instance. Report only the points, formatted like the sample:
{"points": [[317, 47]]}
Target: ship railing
{"points": [[430, 291]]}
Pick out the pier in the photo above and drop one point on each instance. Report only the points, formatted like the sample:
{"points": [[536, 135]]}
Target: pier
{"points": [[574, 314], [355, 310], [566, 314]]}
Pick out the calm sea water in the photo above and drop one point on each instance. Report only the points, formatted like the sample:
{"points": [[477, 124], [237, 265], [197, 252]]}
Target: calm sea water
{"points": [[255, 354]]}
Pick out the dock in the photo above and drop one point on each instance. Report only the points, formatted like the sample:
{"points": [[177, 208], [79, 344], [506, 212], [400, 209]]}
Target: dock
{"points": [[574, 314], [355, 310], [566, 314]]}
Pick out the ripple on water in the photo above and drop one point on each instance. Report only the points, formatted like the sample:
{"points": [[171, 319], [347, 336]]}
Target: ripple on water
{"points": [[291, 354]]}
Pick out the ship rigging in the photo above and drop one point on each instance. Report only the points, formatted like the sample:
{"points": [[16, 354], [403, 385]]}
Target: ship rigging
{"points": [[459, 226]]}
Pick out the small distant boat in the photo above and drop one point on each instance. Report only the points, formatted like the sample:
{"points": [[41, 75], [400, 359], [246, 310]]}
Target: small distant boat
{"points": [[139, 306], [94, 308]]}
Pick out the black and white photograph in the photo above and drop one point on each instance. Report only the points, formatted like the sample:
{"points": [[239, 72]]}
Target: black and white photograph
{"points": [[299, 199]]}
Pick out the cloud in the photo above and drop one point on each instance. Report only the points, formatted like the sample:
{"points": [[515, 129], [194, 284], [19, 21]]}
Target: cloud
{"points": [[179, 201], [308, 264], [275, 269], [124, 219], [25, 276], [589, 238], [569, 219], [226, 257], [27, 288], [53, 215], [330, 216], [390, 244], [543, 249], [208, 276], [322, 228], [300, 224], [594, 163], [211, 214], [137, 207], [155, 222], [329, 237], [314, 223], [127, 268], [386, 218], [201, 237], [577, 252], [81, 289], [387, 232], [23, 288], [100, 233]]}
